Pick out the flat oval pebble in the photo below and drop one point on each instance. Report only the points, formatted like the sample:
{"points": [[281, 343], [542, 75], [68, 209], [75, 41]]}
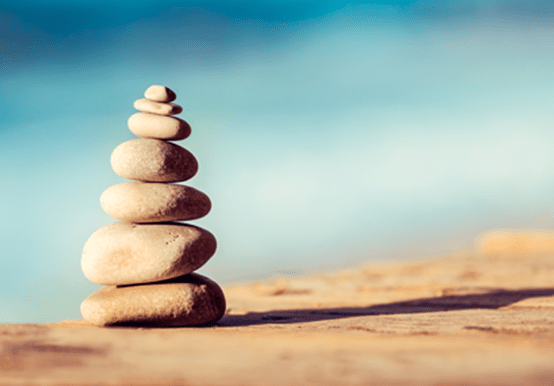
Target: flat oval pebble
{"points": [[148, 125], [145, 202], [123, 253], [189, 300], [160, 94], [148, 106], [153, 160]]}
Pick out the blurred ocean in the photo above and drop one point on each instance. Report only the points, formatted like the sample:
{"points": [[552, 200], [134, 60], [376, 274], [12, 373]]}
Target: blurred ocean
{"points": [[328, 133]]}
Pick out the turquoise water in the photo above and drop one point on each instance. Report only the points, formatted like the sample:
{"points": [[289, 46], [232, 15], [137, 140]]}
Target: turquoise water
{"points": [[327, 133]]}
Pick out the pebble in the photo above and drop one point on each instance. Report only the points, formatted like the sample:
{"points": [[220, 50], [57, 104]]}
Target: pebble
{"points": [[153, 160], [148, 125], [123, 253], [145, 202], [188, 300], [160, 94], [147, 261], [148, 106]]}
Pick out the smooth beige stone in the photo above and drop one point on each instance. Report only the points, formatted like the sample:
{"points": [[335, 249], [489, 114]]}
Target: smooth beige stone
{"points": [[148, 106], [188, 300], [153, 160], [160, 94], [148, 125], [144, 202], [123, 253]]}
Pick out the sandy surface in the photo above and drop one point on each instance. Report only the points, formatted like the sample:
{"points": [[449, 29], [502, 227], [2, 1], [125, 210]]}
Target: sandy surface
{"points": [[480, 318]]}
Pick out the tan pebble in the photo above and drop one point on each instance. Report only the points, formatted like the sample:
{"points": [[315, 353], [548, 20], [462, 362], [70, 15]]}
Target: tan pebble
{"points": [[148, 125], [148, 106], [160, 94], [153, 160], [144, 202], [188, 300], [123, 253]]}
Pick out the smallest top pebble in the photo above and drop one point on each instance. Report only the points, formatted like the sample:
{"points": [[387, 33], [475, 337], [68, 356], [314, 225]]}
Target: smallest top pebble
{"points": [[160, 94]]}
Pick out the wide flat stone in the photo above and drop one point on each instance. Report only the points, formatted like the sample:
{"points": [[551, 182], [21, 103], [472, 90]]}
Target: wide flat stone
{"points": [[144, 202], [153, 160], [148, 106], [124, 253], [188, 300], [160, 94], [148, 125]]}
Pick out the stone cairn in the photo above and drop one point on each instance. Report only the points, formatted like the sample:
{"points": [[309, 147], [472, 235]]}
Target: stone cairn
{"points": [[146, 260]]}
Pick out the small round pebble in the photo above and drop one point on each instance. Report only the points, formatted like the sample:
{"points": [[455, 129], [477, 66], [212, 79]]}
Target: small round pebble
{"points": [[124, 253], [153, 160], [148, 125], [145, 202], [148, 106], [160, 94], [189, 300]]}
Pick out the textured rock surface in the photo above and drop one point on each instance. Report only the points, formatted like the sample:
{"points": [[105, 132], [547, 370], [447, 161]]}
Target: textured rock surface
{"points": [[466, 319], [160, 94], [143, 202], [125, 253], [153, 160], [148, 106], [148, 125], [188, 300]]}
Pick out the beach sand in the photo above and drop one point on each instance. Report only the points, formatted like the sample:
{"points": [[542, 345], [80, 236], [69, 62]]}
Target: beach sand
{"points": [[484, 317]]}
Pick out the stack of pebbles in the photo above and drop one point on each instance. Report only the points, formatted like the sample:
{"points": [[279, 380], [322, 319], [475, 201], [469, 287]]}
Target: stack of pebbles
{"points": [[146, 260]]}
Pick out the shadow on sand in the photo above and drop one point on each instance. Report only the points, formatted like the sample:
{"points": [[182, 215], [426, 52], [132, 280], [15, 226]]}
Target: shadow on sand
{"points": [[491, 300]]}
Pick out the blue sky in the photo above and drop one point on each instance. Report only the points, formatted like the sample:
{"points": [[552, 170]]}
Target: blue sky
{"points": [[327, 133]]}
